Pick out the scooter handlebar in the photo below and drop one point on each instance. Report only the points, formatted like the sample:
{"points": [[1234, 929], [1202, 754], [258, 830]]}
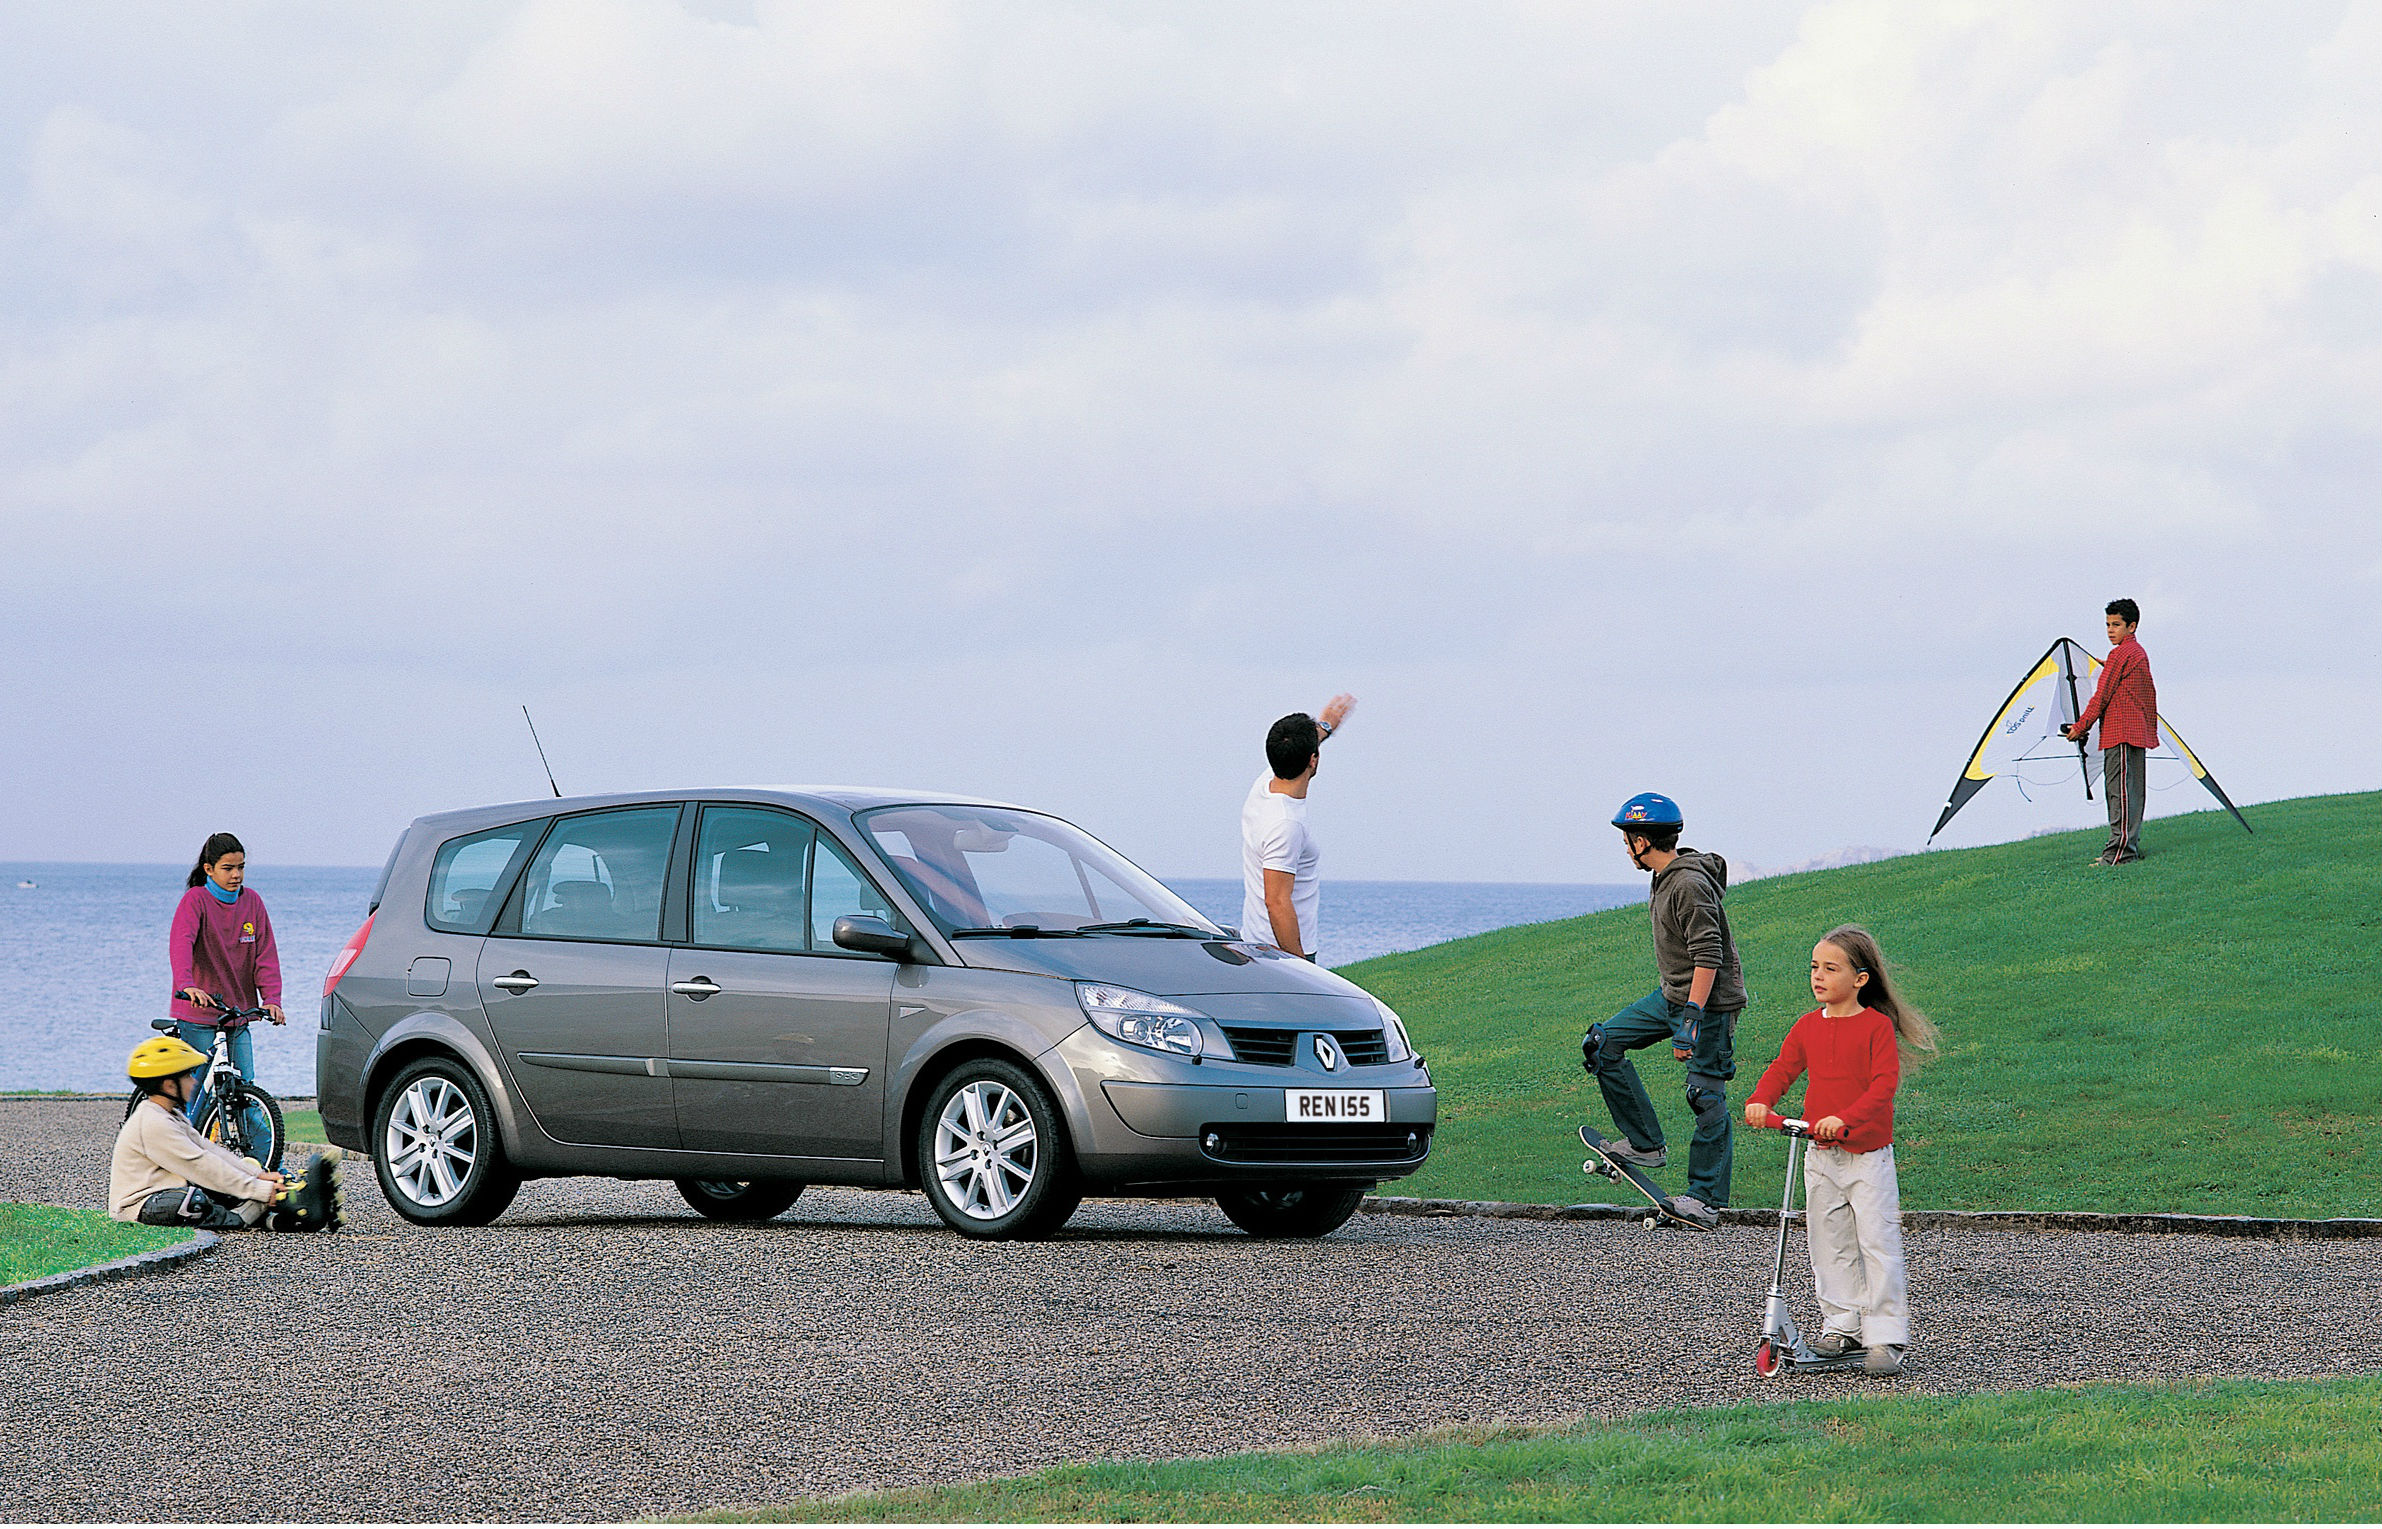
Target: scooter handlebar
{"points": [[1790, 1126]]}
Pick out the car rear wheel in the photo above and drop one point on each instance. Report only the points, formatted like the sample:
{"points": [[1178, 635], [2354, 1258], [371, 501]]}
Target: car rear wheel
{"points": [[1291, 1210], [438, 1159], [740, 1199], [993, 1156]]}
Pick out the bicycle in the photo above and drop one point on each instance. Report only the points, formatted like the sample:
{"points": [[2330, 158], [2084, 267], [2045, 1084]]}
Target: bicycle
{"points": [[224, 1117]]}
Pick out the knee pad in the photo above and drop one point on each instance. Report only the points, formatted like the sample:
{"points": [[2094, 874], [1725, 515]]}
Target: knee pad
{"points": [[1590, 1044], [188, 1206], [1707, 1101]]}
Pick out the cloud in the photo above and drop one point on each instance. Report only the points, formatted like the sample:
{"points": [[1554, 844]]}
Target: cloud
{"points": [[1572, 356]]}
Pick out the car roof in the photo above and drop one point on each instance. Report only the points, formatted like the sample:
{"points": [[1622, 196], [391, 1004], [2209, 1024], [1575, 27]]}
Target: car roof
{"points": [[814, 799]]}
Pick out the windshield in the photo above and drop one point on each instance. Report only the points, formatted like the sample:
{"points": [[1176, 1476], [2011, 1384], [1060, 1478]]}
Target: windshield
{"points": [[996, 868]]}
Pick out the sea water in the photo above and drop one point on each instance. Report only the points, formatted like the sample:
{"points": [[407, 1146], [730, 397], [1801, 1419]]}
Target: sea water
{"points": [[84, 968]]}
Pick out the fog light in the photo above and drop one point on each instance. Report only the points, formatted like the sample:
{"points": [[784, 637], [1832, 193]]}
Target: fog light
{"points": [[1212, 1142], [1414, 1144]]}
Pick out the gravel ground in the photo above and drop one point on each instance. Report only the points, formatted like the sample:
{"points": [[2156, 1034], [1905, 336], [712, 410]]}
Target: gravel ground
{"points": [[602, 1353]]}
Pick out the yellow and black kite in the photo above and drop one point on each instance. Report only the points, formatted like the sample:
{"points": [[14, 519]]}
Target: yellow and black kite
{"points": [[2024, 740]]}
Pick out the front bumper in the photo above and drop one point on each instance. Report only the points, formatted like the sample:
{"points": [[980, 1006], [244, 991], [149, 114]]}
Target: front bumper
{"points": [[1161, 1131]]}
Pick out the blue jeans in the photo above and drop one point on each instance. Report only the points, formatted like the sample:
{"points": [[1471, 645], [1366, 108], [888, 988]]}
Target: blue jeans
{"points": [[243, 1049], [1653, 1020]]}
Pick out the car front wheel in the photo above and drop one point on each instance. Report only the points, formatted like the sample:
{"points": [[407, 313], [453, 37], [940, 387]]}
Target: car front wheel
{"points": [[437, 1158], [1291, 1210], [993, 1156]]}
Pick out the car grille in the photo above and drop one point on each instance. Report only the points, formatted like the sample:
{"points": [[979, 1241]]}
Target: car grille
{"points": [[1277, 1048], [1239, 1143], [1363, 1048]]}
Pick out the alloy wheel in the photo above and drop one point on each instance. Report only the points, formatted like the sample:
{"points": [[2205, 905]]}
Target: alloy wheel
{"points": [[432, 1140], [986, 1150]]}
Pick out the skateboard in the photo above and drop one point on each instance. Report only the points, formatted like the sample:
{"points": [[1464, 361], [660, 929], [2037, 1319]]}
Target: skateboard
{"points": [[1605, 1165]]}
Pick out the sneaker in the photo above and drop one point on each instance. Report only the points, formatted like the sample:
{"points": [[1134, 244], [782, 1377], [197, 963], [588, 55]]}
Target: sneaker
{"points": [[1689, 1208], [1883, 1359], [1643, 1157], [309, 1201], [1834, 1345]]}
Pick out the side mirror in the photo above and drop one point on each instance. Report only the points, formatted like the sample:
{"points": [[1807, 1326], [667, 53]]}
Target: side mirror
{"points": [[871, 935]]}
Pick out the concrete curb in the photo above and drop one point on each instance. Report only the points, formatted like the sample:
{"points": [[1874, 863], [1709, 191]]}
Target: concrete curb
{"points": [[2136, 1223], [155, 1261]]}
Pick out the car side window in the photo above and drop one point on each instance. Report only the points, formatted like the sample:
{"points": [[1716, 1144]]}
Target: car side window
{"points": [[599, 877], [466, 872], [752, 868], [838, 888]]}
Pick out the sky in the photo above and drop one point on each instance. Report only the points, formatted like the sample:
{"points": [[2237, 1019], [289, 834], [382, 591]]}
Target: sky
{"points": [[1036, 401]]}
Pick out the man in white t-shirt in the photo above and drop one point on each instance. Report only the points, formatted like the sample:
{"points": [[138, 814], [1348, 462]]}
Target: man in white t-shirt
{"points": [[1279, 889]]}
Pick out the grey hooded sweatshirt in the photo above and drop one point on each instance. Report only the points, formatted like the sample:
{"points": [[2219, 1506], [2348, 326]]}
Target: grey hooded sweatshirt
{"points": [[1690, 930]]}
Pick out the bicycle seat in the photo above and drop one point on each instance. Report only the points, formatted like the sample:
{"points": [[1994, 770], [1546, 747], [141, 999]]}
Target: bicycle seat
{"points": [[162, 1026]]}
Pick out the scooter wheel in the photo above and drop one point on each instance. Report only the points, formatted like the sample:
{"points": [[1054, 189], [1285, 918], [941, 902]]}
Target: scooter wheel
{"points": [[1766, 1361]]}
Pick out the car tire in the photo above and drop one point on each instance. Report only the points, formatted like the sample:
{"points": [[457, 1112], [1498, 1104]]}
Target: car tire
{"points": [[993, 1154], [436, 1151], [1291, 1210], [749, 1200]]}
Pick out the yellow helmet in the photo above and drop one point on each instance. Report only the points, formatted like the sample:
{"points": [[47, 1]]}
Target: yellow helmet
{"points": [[163, 1057]]}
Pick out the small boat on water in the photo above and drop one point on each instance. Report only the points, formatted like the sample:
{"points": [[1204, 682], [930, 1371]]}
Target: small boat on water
{"points": [[24, 886]]}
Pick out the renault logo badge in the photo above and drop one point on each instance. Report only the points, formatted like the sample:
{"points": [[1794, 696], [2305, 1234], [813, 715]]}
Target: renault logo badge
{"points": [[1327, 1051]]}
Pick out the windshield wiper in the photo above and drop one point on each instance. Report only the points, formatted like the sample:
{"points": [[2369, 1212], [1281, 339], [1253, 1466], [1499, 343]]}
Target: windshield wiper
{"points": [[1151, 926], [1018, 932]]}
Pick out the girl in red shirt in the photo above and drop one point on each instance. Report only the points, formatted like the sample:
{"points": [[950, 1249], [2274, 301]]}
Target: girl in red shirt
{"points": [[1852, 1046]]}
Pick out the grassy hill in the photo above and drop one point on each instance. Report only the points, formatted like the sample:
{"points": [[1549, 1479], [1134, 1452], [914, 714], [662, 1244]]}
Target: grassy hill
{"points": [[2195, 1032]]}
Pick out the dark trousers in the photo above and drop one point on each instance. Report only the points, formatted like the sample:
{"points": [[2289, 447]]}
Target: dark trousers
{"points": [[191, 1206], [2125, 781], [1655, 1019]]}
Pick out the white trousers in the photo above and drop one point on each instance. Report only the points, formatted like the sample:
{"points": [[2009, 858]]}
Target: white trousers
{"points": [[1853, 1212]]}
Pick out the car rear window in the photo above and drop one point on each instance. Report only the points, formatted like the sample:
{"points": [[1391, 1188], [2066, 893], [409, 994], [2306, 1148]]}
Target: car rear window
{"points": [[467, 873]]}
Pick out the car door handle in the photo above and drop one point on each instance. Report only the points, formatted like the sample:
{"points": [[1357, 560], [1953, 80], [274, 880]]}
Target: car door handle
{"points": [[697, 988], [518, 982]]}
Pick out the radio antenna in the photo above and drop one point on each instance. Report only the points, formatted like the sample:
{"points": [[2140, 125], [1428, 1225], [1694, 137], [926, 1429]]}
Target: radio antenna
{"points": [[533, 737]]}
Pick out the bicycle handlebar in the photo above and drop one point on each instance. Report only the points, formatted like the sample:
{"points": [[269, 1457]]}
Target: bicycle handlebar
{"points": [[226, 1014]]}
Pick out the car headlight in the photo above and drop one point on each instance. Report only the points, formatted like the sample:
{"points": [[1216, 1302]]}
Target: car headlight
{"points": [[1141, 1019], [1393, 1030]]}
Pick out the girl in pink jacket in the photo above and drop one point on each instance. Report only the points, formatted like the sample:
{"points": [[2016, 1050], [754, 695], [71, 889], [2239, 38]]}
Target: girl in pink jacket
{"points": [[222, 945]]}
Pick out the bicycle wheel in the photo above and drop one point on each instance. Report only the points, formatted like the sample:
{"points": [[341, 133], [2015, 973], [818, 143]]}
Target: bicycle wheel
{"points": [[258, 1112]]}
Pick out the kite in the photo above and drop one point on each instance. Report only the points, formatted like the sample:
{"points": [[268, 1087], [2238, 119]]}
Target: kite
{"points": [[2024, 742]]}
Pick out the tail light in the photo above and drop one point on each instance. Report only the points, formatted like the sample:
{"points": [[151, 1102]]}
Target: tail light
{"points": [[348, 953]]}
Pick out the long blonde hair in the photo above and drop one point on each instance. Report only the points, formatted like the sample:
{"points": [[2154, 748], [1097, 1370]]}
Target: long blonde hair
{"points": [[1917, 1033]]}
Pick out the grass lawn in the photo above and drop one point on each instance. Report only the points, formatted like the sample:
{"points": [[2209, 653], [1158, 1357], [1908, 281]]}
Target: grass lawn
{"points": [[2190, 1033], [36, 1240], [2234, 1450], [303, 1125]]}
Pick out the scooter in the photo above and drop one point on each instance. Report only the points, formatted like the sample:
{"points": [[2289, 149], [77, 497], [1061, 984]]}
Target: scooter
{"points": [[1782, 1348]]}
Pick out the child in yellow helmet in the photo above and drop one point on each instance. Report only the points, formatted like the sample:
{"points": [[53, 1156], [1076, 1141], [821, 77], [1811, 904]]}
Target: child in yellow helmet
{"points": [[164, 1173]]}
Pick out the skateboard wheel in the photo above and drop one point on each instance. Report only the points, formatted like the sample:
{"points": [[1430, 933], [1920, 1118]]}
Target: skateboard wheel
{"points": [[1649, 1223]]}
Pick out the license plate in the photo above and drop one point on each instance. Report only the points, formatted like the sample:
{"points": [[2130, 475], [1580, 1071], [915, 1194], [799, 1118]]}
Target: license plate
{"points": [[1335, 1106]]}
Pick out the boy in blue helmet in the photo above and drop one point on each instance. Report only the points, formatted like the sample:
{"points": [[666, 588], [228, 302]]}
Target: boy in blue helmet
{"points": [[1695, 1008]]}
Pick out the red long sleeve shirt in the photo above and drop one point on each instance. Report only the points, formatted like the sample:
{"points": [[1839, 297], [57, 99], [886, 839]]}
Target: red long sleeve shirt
{"points": [[2125, 702], [222, 948], [1855, 1066]]}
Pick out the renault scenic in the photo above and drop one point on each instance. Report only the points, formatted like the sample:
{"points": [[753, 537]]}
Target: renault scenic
{"points": [[746, 992]]}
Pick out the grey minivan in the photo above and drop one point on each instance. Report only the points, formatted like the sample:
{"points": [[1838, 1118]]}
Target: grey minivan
{"points": [[750, 991]]}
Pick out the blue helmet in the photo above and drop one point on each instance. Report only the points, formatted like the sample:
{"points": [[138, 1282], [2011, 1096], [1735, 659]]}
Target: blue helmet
{"points": [[1649, 809]]}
